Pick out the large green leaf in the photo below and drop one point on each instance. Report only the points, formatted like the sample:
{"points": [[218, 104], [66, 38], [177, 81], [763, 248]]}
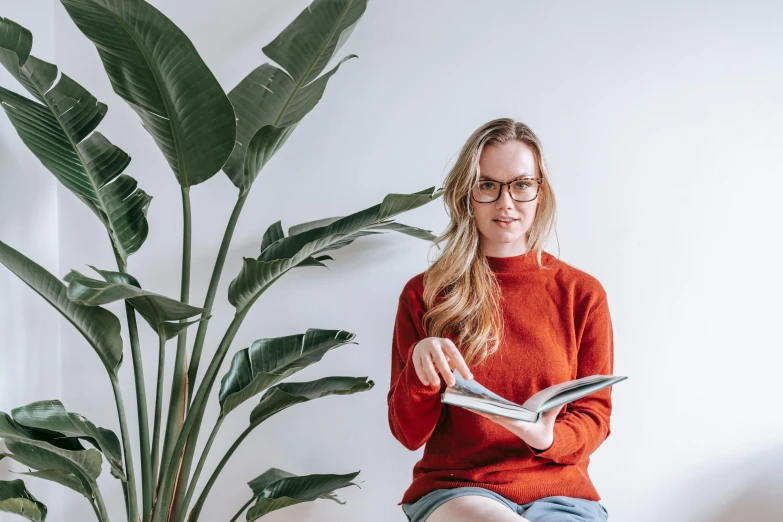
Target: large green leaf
{"points": [[59, 131], [276, 489], [263, 145], [382, 225], [159, 311], [287, 394], [404, 229], [154, 67], [298, 229], [16, 42], [270, 101], [99, 327], [59, 476], [279, 254], [59, 466], [12, 430], [268, 361], [75, 480], [34, 451], [272, 475], [85, 465], [15, 499], [51, 417]]}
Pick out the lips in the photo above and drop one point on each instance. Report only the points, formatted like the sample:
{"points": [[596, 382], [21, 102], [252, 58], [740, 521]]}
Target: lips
{"points": [[505, 220]]}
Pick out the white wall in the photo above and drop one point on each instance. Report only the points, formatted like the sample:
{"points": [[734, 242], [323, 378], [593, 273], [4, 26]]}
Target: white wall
{"points": [[662, 127]]}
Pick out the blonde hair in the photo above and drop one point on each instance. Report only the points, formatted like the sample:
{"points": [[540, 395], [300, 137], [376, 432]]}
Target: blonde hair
{"points": [[471, 300]]}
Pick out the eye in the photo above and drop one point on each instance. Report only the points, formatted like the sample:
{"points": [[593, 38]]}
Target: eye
{"points": [[522, 185], [486, 185]]}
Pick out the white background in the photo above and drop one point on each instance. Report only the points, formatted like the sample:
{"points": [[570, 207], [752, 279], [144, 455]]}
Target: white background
{"points": [[662, 127]]}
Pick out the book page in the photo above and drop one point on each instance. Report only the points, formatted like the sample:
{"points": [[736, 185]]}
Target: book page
{"points": [[474, 389], [495, 408], [568, 391]]}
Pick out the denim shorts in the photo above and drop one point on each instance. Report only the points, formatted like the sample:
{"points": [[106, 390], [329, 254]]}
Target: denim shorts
{"points": [[547, 509]]}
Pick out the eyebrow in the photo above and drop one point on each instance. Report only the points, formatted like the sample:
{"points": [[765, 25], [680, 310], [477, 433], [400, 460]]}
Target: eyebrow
{"points": [[521, 176]]}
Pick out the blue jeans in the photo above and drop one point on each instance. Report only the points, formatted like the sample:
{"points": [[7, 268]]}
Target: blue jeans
{"points": [[547, 509]]}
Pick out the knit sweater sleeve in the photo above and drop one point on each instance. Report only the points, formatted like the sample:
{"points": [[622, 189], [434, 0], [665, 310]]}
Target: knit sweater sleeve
{"points": [[582, 425], [414, 408]]}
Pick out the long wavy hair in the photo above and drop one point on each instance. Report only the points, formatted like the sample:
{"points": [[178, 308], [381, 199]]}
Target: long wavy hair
{"points": [[461, 292]]}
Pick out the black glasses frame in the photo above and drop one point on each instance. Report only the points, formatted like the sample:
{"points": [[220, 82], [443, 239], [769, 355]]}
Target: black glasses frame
{"points": [[508, 184]]}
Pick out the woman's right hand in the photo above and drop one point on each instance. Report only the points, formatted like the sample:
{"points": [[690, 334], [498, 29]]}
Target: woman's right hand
{"points": [[435, 355]]}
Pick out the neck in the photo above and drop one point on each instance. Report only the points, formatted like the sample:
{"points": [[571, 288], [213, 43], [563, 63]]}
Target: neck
{"points": [[497, 249], [518, 263]]}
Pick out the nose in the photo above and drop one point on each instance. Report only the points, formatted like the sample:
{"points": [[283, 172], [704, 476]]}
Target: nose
{"points": [[505, 200]]}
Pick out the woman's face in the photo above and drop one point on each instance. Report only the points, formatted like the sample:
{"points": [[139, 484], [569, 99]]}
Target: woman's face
{"points": [[505, 162]]}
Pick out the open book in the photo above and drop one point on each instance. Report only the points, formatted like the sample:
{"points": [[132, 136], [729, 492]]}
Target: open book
{"points": [[470, 394]]}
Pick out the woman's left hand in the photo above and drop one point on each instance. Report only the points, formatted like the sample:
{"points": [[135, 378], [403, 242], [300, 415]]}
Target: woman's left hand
{"points": [[538, 435]]}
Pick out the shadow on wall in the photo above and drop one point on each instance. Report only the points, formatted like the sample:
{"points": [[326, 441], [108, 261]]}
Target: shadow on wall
{"points": [[761, 496], [749, 489]]}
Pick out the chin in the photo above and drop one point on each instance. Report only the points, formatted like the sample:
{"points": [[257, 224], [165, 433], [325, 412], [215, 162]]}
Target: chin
{"points": [[507, 238], [502, 236]]}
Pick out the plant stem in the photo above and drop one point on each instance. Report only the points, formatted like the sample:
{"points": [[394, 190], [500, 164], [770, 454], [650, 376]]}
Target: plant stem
{"points": [[141, 409], [141, 397], [133, 513], [179, 383], [200, 403], [97, 513], [199, 343], [199, 466], [211, 292], [195, 415], [194, 514], [241, 509], [126, 496], [155, 456], [100, 505]]}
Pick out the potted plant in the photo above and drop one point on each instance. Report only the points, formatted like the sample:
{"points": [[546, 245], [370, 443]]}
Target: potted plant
{"points": [[200, 130]]}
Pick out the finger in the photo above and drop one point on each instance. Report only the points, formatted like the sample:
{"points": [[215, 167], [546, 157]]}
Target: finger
{"points": [[429, 369], [457, 359], [443, 364], [420, 371]]}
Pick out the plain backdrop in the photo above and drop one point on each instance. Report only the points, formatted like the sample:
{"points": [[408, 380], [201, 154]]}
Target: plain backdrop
{"points": [[661, 123]]}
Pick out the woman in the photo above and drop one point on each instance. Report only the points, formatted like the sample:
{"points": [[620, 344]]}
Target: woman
{"points": [[500, 309]]}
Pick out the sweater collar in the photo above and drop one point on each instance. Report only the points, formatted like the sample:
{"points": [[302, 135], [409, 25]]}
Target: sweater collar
{"points": [[520, 263]]}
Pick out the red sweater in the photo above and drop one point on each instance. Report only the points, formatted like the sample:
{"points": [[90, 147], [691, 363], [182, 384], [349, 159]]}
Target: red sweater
{"points": [[557, 328]]}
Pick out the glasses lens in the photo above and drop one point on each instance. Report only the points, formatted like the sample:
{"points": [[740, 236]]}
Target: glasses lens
{"points": [[521, 190]]}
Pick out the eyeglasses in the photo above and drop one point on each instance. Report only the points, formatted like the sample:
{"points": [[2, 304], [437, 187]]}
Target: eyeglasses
{"points": [[521, 190]]}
